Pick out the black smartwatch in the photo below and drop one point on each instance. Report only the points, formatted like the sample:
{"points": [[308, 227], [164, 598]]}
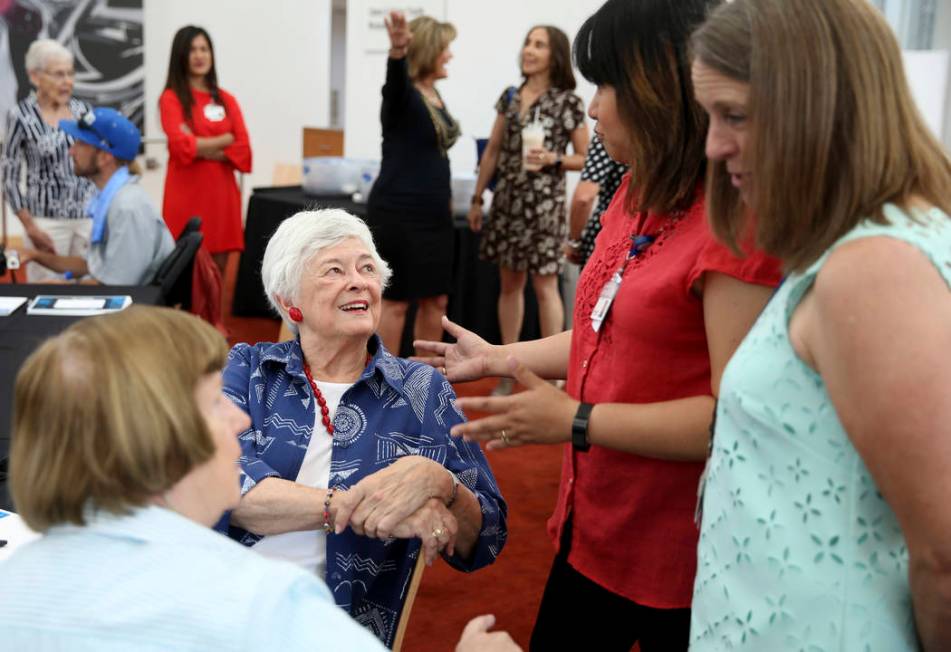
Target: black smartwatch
{"points": [[579, 427]]}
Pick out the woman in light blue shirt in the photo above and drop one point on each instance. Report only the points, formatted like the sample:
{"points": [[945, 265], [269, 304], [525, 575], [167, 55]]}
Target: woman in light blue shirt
{"points": [[825, 515], [124, 454]]}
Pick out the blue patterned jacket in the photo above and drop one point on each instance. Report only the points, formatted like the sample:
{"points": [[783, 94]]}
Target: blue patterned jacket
{"points": [[396, 408]]}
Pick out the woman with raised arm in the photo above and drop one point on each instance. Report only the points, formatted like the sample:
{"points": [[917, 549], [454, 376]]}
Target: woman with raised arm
{"points": [[409, 209], [825, 512], [661, 305]]}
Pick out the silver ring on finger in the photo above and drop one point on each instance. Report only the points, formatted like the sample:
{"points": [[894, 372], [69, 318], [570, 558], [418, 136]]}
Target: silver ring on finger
{"points": [[438, 532], [504, 437]]}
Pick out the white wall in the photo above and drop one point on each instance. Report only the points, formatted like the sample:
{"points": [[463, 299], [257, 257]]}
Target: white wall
{"points": [[338, 66], [942, 41], [929, 76], [273, 57], [485, 63]]}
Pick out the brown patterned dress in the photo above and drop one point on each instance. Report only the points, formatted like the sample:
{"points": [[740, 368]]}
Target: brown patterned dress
{"points": [[528, 221]]}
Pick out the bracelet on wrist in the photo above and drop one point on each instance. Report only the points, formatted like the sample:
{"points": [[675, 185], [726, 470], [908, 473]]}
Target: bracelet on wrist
{"points": [[328, 526], [453, 491], [476, 200]]}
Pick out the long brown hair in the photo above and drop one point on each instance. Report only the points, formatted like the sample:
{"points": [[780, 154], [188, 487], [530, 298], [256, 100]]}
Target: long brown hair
{"points": [[560, 74], [639, 48], [834, 131], [177, 79]]}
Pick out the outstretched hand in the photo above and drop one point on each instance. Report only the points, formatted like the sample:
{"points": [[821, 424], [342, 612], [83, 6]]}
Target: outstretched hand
{"points": [[398, 30], [476, 637], [542, 414], [467, 359]]}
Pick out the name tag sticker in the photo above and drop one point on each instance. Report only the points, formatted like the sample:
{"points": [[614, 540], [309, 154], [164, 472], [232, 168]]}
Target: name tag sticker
{"points": [[214, 112]]}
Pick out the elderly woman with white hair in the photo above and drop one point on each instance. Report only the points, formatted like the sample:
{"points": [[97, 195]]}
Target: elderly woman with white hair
{"points": [[52, 204], [348, 466]]}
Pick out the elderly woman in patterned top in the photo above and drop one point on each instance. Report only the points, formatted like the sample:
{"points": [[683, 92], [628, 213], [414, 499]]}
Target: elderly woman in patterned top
{"points": [[348, 467], [51, 205]]}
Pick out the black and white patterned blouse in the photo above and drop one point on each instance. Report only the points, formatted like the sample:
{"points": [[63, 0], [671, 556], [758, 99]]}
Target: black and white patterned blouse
{"points": [[52, 187], [603, 170]]}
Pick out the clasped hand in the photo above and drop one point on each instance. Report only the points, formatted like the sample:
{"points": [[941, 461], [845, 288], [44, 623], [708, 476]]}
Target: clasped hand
{"points": [[402, 501]]}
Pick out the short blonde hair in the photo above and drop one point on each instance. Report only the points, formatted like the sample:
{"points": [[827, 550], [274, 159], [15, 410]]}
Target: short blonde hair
{"points": [[295, 243], [40, 52], [430, 39], [834, 131], [105, 415]]}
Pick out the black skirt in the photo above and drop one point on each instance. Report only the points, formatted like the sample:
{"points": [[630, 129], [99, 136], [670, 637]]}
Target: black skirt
{"points": [[419, 248]]}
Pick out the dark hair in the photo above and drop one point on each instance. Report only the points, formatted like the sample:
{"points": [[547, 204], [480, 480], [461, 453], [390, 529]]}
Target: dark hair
{"points": [[177, 79], [639, 48], [560, 73]]}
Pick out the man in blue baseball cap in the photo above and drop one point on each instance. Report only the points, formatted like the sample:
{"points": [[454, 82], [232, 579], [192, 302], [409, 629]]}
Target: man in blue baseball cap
{"points": [[129, 238]]}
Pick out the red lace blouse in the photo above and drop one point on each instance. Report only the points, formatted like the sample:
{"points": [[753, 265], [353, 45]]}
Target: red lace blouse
{"points": [[633, 531]]}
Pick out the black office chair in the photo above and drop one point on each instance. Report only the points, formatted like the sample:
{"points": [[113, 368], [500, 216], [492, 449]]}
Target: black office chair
{"points": [[193, 224], [174, 276]]}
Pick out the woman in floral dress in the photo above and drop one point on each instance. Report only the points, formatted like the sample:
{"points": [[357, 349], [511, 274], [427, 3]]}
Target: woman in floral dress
{"points": [[527, 221]]}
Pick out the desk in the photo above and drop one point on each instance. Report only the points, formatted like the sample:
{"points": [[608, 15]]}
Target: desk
{"points": [[475, 282], [21, 333]]}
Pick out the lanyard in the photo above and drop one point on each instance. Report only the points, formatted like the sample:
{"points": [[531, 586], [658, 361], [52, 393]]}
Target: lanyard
{"points": [[639, 243]]}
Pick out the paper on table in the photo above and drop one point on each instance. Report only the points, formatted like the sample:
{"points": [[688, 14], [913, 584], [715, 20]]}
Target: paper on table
{"points": [[10, 304], [77, 306], [15, 532], [80, 304]]}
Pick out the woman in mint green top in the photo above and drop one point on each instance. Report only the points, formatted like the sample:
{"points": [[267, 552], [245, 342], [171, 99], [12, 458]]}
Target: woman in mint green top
{"points": [[826, 512]]}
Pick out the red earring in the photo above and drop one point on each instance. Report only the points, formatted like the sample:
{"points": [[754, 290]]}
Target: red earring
{"points": [[295, 314]]}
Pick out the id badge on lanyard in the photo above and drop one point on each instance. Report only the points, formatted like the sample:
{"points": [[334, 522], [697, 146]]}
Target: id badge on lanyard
{"points": [[610, 289]]}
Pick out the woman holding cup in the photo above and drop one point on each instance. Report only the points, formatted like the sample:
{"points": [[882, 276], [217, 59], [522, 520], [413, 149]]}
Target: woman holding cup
{"points": [[527, 148]]}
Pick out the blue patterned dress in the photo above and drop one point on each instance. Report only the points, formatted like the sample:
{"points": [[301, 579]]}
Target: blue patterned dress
{"points": [[396, 408], [798, 550]]}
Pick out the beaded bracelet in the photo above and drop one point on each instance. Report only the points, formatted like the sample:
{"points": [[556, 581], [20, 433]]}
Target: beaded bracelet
{"points": [[328, 528]]}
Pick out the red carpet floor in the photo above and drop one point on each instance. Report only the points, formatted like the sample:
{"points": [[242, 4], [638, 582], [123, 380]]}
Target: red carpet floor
{"points": [[512, 587]]}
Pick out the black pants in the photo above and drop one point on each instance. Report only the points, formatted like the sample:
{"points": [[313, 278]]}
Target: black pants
{"points": [[578, 614]]}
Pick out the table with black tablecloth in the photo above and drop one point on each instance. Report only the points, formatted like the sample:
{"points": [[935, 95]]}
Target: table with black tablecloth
{"points": [[473, 302], [21, 334]]}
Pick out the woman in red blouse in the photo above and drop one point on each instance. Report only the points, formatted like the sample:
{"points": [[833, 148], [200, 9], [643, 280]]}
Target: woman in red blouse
{"points": [[207, 142], [660, 308]]}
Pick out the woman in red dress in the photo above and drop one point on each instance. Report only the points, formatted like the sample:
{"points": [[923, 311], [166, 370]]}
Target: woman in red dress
{"points": [[207, 142]]}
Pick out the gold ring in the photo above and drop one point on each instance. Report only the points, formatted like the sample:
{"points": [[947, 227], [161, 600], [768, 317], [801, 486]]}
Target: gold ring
{"points": [[504, 437], [443, 371], [438, 532]]}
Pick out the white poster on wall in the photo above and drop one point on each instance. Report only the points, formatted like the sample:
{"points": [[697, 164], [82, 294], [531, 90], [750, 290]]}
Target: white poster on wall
{"points": [[374, 39]]}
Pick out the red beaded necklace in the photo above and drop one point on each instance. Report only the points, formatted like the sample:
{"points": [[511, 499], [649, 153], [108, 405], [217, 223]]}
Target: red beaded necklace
{"points": [[321, 401]]}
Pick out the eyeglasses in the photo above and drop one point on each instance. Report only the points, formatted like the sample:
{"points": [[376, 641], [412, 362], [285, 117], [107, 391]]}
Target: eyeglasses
{"points": [[60, 75]]}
